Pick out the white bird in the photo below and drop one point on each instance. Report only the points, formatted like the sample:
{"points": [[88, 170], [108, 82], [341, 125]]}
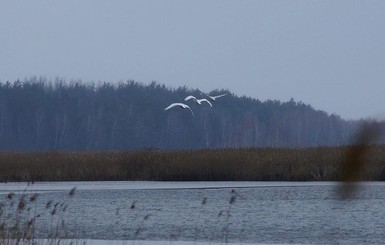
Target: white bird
{"points": [[190, 97], [198, 101], [213, 98], [204, 100], [184, 106]]}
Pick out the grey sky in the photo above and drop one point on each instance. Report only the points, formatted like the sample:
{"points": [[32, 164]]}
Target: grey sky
{"points": [[330, 54]]}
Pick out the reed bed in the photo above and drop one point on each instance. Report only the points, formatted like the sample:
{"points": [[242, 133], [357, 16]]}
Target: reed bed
{"points": [[258, 164], [19, 217]]}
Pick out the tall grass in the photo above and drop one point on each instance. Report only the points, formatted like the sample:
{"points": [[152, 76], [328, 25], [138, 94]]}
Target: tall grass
{"points": [[19, 218], [321, 163]]}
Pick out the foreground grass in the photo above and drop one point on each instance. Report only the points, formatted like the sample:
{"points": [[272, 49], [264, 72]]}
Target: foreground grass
{"points": [[27, 218], [19, 215], [321, 163]]}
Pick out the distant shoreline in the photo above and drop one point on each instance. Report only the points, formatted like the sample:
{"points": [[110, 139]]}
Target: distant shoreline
{"points": [[251, 164], [54, 186]]}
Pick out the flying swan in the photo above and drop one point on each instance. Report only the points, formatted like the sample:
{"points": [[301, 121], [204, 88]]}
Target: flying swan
{"points": [[184, 106], [198, 101], [213, 98]]}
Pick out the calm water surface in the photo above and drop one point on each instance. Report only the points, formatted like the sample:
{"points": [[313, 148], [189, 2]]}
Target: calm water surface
{"points": [[268, 214]]}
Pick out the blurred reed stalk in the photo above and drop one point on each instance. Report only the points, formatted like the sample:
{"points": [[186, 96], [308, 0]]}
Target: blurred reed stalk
{"points": [[356, 163]]}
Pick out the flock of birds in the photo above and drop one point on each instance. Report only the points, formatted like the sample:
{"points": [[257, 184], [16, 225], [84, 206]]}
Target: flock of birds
{"points": [[198, 101]]}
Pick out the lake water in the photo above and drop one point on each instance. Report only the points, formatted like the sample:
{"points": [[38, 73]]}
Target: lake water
{"points": [[239, 212]]}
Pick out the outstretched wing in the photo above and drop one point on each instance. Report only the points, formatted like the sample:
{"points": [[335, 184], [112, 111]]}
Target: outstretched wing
{"points": [[205, 100], [190, 97], [172, 105], [184, 106], [218, 96], [190, 110]]}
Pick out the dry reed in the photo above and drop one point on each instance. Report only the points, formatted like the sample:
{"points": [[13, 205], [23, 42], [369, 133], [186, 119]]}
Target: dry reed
{"points": [[267, 164]]}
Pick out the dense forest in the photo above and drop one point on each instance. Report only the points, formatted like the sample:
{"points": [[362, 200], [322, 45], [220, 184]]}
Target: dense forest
{"points": [[41, 115]]}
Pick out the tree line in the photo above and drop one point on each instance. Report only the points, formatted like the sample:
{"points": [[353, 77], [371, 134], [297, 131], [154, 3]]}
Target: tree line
{"points": [[41, 115]]}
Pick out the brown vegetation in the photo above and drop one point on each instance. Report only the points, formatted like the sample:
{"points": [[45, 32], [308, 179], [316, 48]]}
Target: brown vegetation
{"points": [[19, 215], [321, 163]]}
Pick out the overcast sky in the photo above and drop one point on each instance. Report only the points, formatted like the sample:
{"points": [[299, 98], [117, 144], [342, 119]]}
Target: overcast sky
{"points": [[330, 54]]}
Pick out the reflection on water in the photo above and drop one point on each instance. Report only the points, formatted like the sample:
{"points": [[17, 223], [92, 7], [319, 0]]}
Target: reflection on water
{"points": [[277, 214]]}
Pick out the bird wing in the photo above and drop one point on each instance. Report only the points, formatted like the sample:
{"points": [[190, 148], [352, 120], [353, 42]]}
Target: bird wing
{"points": [[184, 106], [190, 110], [190, 97], [218, 96], [173, 105], [201, 100]]}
